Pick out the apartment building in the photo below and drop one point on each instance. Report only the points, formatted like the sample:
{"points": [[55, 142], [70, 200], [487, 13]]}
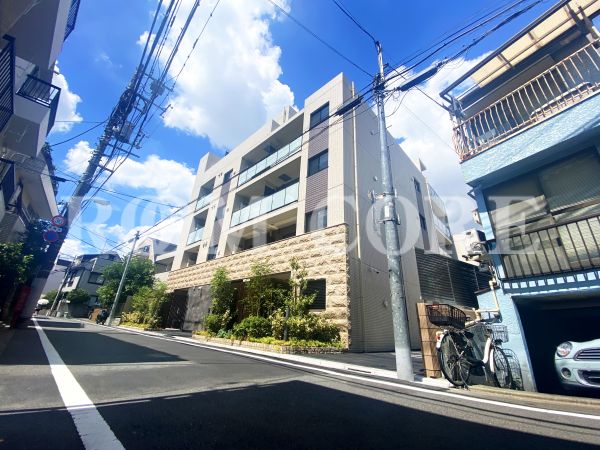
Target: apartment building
{"points": [[31, 36], [305, 185], [528, 135], [161, 253]]}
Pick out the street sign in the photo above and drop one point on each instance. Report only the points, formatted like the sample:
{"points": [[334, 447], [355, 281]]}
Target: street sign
{"points": [[59, 221], [50, 236]]}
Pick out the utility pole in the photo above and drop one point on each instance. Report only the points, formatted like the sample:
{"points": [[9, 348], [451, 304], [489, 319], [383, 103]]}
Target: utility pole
{"points": [[404, 367], [113, 310], [55, 303]]}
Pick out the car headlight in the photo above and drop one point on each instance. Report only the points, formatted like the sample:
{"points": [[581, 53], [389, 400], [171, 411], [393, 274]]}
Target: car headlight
{"points": [[564, 349]]}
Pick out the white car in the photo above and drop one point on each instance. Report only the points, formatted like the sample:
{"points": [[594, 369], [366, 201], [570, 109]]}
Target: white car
{"points": [[578, 364]]}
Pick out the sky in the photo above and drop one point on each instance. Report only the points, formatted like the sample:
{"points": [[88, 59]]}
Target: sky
{"points": [[250, 62]]}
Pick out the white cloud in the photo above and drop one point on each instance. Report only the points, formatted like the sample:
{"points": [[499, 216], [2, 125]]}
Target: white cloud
{"points": [[427, 132], [170, 180], [108, 63], [230, 86], [74, 247], [66, 114]]}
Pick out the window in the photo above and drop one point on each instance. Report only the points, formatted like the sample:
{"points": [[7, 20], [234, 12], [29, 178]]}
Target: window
{"points": [[417, 186], [212, 252], [318, 163], [95, 278], [227, 176], [317, 287], [423, 222], [315, 220], [319, 115]]}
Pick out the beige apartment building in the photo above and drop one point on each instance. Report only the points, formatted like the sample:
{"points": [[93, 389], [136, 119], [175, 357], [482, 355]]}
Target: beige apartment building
{"points": [[305, 185]]}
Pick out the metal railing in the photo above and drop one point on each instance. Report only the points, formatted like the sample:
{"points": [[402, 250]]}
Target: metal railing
{"points": [[265, 205], [7, 79], [270, 161], [71, 18], [195, 236], [556, 249], [39, 91], [568, 82], [203, 201]]}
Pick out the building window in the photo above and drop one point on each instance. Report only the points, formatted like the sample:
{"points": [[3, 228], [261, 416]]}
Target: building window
{"points": [[315, 220], [423, 222], [227, 176], [320, 115], [318, 163], [417, 186], [317, 287], [212, 252], [95, 278]]}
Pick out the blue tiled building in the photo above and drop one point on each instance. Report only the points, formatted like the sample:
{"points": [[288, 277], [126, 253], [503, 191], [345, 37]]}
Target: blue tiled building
{"points": [[527, 131]]}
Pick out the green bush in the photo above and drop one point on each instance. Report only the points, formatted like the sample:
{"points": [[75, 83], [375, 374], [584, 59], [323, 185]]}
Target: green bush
{"points": [[252, 326], [296, 342], [310, 328], [224, 334], [213, 323], [132, 317]]}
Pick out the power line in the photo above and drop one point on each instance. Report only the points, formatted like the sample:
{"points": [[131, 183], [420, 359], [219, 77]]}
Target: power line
{"points": [[78, 135], [351, 17], [321, 40]]}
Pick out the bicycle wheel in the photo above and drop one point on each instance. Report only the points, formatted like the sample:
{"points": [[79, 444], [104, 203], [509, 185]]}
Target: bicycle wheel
{"points": [[502, 374], [453, 360]]}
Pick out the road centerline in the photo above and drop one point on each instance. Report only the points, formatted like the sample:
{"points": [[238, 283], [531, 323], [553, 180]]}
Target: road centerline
{"points": [[91, 426]]}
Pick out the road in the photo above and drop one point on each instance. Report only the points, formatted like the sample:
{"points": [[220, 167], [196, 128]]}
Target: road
{"points": [[129, 390]]}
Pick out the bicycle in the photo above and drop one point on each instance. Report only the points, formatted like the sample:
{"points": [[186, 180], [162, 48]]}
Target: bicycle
{"points": [[456, 352]]}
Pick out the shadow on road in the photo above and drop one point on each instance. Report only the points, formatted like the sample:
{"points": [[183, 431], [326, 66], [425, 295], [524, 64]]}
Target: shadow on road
{"points": [[295, 414]]}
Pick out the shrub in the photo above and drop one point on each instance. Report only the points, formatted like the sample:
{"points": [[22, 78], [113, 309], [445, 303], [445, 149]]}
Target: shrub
{"points": [[213, 323], [252, 326], [132, 317], [225, 334], [309, 327], [78, 296]]}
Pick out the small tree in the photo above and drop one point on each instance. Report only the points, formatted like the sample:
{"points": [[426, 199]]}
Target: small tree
{"points": [[50, 295], [140, 273], [223, 307], [297, 301], [78, 296], [14, 270], [148, 303], [263, 296]]}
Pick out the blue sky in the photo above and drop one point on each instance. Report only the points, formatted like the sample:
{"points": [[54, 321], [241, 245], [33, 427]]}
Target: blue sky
{"points": [[250, 62]]}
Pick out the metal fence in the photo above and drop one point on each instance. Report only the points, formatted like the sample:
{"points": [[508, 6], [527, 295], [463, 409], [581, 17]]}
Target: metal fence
{"points": [[568, 82], [7, 79], [72, 18], [555, 249]]}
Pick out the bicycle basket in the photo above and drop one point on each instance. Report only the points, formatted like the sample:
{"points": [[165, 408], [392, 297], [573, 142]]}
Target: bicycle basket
{"points": [[444, 315], [499, 332]]}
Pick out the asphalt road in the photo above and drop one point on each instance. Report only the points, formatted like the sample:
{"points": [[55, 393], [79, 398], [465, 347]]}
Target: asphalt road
{"points": [[149, 392]]}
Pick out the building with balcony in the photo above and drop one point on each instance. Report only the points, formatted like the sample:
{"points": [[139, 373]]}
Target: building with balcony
{"points": [[161, 253], [31, 37], [527, 131], [305, 185]]}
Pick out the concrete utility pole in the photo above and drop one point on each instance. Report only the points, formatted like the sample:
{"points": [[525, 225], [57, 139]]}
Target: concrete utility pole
{"points": [[113, 310], [404, 367]]}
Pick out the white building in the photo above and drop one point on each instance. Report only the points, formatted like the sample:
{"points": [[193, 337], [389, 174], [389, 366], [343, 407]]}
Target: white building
{"points": [[304, 186]]}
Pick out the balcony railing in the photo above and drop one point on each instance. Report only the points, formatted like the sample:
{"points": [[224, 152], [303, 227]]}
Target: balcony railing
{"points": [[7, 79], [572, 80], [195, 236], [265, 205], [442, 227], [72, 18], [203, 201], [270, 161], [552, 250], [39, 91]]}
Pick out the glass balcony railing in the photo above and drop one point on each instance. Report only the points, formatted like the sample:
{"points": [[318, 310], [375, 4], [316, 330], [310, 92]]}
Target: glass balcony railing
{"points": [[203, 201], [195, 236], [442, 227], [270, 161], [265, 205]]}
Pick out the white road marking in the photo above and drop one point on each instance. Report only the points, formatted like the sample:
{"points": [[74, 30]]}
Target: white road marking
{"points": [[407, 387], [92, 428]]}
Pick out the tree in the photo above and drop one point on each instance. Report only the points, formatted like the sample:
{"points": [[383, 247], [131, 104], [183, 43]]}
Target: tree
{"points": [[140, 273], [148, 303], [14, 270], [263, 297], [296, 300], [222, 293], [78, 296], [50, 295]]}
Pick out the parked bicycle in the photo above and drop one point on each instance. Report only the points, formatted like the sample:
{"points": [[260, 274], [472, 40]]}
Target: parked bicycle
{"points": [[457, 351]]}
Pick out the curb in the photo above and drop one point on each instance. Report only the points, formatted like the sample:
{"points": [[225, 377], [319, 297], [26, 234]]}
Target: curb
{"points": [[538, 396]]}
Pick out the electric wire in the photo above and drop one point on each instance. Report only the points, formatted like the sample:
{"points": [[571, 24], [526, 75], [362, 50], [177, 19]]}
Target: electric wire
{"points": [[78, 135], [353, 19]]}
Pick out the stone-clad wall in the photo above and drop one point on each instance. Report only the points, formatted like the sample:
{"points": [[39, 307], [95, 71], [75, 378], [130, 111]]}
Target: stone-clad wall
{"points": [[322, 252]]}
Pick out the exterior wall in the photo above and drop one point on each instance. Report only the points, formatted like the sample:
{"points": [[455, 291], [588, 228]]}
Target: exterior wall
{"points": [[322, 252]]}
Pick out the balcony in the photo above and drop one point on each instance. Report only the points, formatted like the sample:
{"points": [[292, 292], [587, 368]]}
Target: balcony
{"points": [[195, 236], [265, 205], [558, 249], [72, 18], [567, 83], [7, 79], [270, 161], [203, 201]]}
